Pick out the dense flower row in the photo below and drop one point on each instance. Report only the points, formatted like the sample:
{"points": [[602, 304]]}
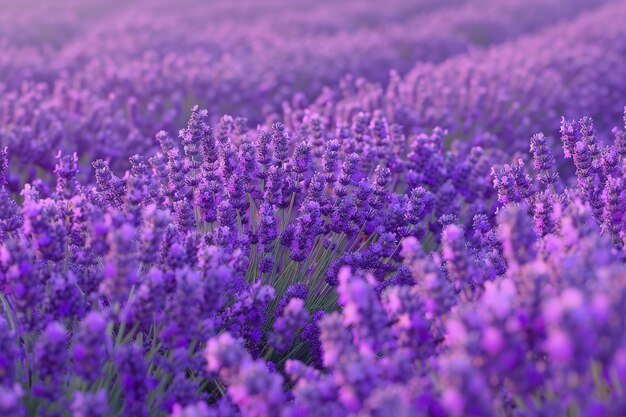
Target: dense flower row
{"points": [[279, 272], [512, 90], [104, 87]]}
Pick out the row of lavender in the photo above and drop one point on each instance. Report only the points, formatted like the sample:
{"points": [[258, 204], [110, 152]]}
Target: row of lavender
{"points": [[105, 86], [343, 259], [281, 273], [511, 90]]}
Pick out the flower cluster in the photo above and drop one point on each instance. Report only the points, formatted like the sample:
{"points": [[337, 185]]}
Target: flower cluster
{"points": [[374, 251]]}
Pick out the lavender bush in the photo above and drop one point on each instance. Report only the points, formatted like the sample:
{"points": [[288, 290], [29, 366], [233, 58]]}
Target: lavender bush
{"points": [[342, 242]]}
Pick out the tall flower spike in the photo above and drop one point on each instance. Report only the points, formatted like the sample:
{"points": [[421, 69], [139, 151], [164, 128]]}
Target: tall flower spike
{"points": [[364, 313], [298, 290], [311, 335], [50, 359], [543, 160], [292, 318], [66, 170], [109, 185], [588, 167], [267, 224], [455, 256], [89, 351], [263, 148], [614, 196], [543, 215], [4, 166], [134, 379], [194, 133], [330, 160], [308, 226], [568, 136], [11, 219], [512, 183], [120, 262], [280, 142]]}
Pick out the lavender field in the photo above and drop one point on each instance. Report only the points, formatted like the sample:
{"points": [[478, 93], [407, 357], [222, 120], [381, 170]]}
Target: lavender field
{"points": [[275, 208]]}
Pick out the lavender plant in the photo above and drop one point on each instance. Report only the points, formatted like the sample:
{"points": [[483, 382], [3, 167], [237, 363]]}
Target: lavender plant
{"points": [[375, 251]]}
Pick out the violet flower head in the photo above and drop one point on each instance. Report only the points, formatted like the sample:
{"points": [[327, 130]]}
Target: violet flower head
{"points": [[311, 335], [419, 205], [64, 299], [263, 148], [512, 183], [225, 355], [267, 224], [543, 213], [349, 169], [280, 142], [292, 318], [183, 323], [614, 196], [307, 228], [330, 160], [90, 404], [51, 358], [298, 290], [363, 311], [11, 218], [66, 170], [4, 166], [409, 325], [109, 185], [568, 136], [257, 391], [11, 403], [455, 255], [543, 159], [301, 158], [245, 317], [90, 347], [134, 379]]}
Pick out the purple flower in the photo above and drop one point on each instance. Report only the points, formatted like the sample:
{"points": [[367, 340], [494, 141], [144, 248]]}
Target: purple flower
{"points": [[90, 404], [330, 160], [311, 335], [298, 290], [363, 312], [512, 183], [50, 359], [11, 401], [280, 142], [4, 166], [245, 317], [418, 206], [111, 187], [133, 378], [66, 170], [8, 355], [292, 318], [11, 219], [90, 347]]}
